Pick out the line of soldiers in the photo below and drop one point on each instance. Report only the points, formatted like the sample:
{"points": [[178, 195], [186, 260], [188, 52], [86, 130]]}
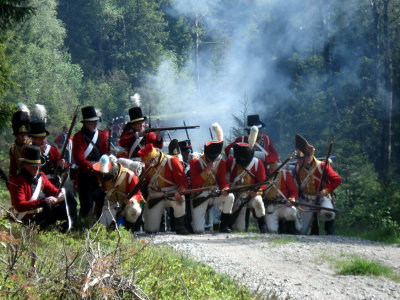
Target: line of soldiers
{"points": [[139, 184]]}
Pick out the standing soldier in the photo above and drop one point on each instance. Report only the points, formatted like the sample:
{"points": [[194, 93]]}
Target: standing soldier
{"points": [[34, 198], [89, 144], [246, 169], [20, 126], [308, 171], [117, 183], [281, 189], [134, 136], [209, 170], [264, 149], [166, 176]]}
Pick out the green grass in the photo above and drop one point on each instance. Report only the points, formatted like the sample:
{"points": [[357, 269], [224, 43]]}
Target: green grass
{"points": [[281, 240], [352, 264], [54, 265]]}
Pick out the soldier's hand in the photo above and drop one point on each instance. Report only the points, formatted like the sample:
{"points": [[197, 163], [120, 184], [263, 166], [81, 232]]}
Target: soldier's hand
{"points": [[50, 200], [61, 163], [158, 135], [253, 194], [177, 196]]}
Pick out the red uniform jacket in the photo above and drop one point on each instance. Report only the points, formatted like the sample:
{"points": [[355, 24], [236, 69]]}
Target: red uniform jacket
{"points": [[268, 146], [235, 169], [199, 179], [121, 191], [309, 183], [128, 138], [21, 193], [285, 183], [171, 171], [79, 146]]}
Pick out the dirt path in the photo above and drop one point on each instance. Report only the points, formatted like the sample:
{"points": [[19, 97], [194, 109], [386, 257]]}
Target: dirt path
{"points": [[299, 268]]}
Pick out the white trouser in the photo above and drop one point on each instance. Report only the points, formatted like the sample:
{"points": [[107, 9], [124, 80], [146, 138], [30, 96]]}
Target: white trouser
{"points": [[256, 203], [275, 212], [306, 216], [199, 213], [152, 216]]}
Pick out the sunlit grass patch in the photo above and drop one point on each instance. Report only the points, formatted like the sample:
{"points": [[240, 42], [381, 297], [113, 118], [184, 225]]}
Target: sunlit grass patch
{"points": [[352, 264], [281, 240]]}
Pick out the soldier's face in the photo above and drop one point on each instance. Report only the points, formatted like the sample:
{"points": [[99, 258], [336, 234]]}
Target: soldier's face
{"points": [[39, 141], [91, 125], [21, 138], [33, 170], [138, 126]]}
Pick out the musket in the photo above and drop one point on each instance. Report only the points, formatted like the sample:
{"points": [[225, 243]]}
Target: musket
{"points": [[147, 130], [316, 207], [109, 138], [314, 225], [256, 186], [187, 133], [64, 147], [142, 178], [211, 133], [154, 201]]}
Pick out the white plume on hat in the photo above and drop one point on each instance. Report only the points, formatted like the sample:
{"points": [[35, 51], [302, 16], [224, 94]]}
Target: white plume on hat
{"points": [[218, 131], [22, 107], [135, 99], [98, 112], [104, 164], [253, 136], [39, 112]]}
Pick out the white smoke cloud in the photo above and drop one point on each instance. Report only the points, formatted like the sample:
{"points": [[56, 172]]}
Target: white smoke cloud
{"points": [[252, 35]]}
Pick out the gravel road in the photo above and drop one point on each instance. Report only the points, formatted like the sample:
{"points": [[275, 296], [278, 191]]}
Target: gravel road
{"points": [[299, 268]]}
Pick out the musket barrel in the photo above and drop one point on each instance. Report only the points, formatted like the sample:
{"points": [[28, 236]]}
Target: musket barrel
{"points": [[171, 128]]}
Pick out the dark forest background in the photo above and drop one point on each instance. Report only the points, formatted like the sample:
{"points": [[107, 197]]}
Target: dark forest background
{"points": [[344, 83]]}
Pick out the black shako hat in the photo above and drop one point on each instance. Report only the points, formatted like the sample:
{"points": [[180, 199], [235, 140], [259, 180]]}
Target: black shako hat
{"points": [[212, 149], [185, 146], [20, 122], [243, 153], [38, 129], [254, 120], [136, 115], [173, 147], [89, 114], [32, 156]]}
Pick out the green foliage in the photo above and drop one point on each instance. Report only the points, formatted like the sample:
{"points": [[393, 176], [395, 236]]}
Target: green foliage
{"points": [[51, 264], [359, 266], [12, 11], [281, 240]]}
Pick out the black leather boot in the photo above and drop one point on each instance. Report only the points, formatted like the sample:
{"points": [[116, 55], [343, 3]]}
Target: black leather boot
{"points": [[262, 225], [180, 226], [225, 221], [329, 228]]}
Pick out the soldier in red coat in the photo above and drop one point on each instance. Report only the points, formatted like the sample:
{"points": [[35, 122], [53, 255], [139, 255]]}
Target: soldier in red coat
{"points": [[246, 169], [20, 126], [210, 170], [264, 148], [309, 171], [117, 182], [281, 188], [34, 198], [134, 136], [89, 145], [166, 176]]}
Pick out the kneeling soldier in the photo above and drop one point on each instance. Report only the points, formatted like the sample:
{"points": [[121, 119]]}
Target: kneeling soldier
{"points": [[35, 199], [165, 177], [117, 183], [281, 189], [207, 171], [246, 169]]}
